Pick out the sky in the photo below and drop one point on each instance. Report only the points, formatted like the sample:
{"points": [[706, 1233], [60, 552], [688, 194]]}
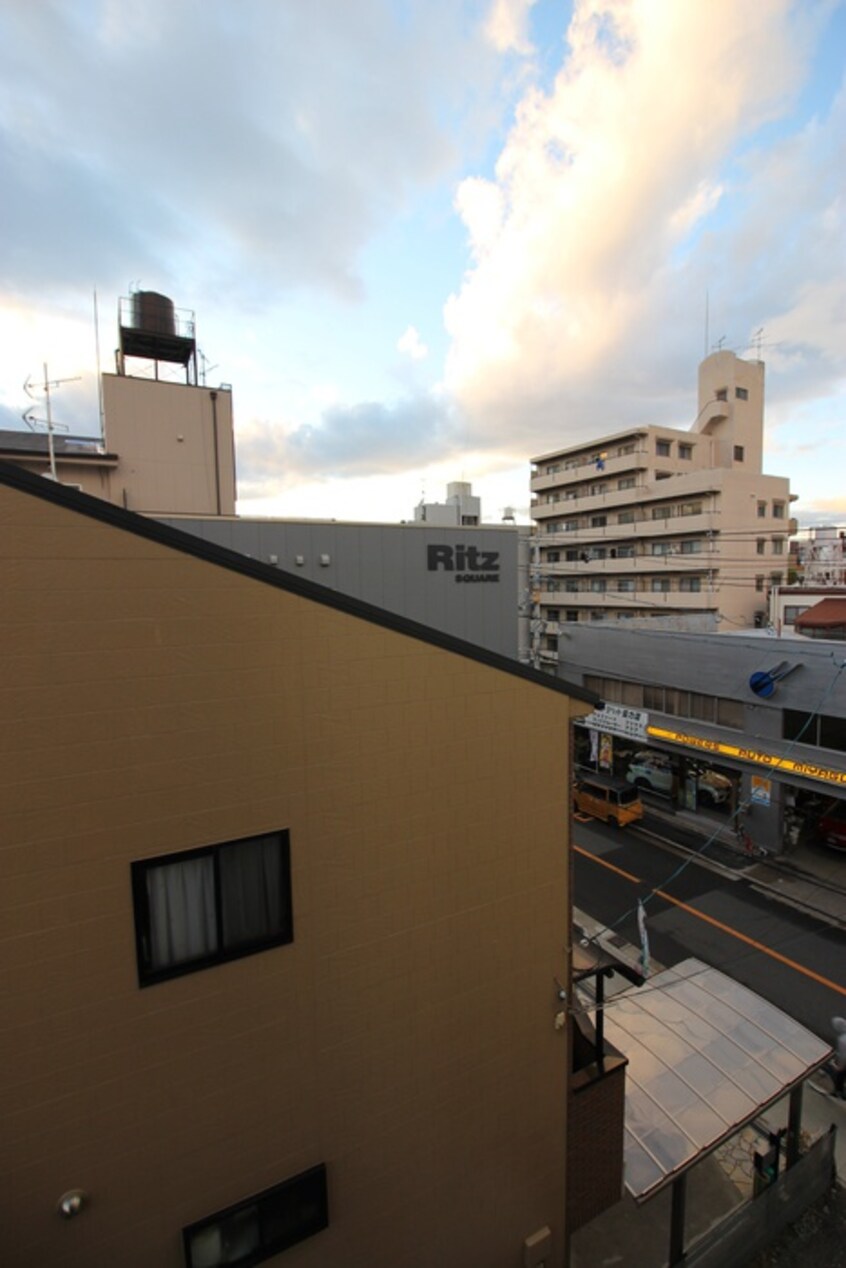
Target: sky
{"points": [[426, 240]]}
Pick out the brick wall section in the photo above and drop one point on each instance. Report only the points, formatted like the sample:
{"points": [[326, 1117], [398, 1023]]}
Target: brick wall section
{"points": [[595, 1143]]}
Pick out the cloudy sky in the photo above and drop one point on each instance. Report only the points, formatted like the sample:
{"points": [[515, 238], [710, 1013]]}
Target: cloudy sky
{"points": [[427, 239]]}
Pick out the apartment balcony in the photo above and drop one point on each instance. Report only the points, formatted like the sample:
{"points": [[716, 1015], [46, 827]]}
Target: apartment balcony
{"points": [[643, 598], [593, 501], [642, 563], [574, 472], [705, 525]]}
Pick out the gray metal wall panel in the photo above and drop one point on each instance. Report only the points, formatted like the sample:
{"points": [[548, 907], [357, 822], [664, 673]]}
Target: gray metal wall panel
{"points": [[386, 565]]}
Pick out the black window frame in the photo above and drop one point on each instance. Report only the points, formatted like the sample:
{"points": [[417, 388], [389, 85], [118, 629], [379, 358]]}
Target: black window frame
{"points": [[147, 975], [310, 1184]]}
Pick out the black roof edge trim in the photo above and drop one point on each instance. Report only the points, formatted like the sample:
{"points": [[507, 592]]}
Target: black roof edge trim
{"points": [[131, 522]]}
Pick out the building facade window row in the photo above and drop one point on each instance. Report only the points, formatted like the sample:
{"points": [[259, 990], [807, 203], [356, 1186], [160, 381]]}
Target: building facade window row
{"points": [[624, 585], [695, 705]]}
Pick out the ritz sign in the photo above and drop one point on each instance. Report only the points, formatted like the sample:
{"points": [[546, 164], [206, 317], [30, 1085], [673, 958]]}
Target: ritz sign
{"points": [[466, 563]]}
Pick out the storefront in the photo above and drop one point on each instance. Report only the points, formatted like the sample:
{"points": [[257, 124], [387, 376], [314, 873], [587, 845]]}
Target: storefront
{"points": [[785, 802]]}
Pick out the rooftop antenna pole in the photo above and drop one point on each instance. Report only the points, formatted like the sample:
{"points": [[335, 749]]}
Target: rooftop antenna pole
{"points": [[99, 375], [32, 421], [50, 445]]}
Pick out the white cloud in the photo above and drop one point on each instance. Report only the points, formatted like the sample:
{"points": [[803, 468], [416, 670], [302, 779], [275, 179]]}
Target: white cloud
{"points": [[585, 243], [412, 345], [507, 26]]}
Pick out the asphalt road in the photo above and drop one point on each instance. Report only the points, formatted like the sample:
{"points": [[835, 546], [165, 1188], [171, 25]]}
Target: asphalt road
{"points": [[795, 961]]}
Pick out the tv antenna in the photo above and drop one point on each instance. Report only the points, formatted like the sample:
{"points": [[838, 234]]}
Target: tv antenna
{"points": [[32, 421], [206, 368]]}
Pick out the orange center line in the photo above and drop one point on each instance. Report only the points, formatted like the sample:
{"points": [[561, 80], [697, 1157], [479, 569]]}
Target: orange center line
{"points": [[718, 924]]}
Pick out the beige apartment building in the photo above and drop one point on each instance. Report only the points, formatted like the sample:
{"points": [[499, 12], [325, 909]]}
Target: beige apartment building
{"points": [[280, 947], [660, 522]]}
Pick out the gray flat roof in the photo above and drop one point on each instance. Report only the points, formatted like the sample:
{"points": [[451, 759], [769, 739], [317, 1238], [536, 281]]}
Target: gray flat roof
{"points": [[706, 1056]]}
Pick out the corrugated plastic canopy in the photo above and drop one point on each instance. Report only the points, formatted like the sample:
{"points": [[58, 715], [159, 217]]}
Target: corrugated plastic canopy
{"points": [[706, 1055]]}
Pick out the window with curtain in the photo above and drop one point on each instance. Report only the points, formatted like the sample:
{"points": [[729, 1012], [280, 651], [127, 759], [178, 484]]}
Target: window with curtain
{"points": [[206, 906]]}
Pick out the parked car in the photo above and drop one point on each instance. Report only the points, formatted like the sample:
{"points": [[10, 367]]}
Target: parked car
{"points": [[712, 787], [652, 771], [832, 826], [608, 799]]}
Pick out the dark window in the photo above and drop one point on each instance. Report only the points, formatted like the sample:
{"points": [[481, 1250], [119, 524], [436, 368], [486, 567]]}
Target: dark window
{"points": [[778, 510], [662, 448], [685, 451], [741, 393], [721, 394], [762, 510], [552, 614], [833, 732], [692, 547], [626, 517], [553, 556], [262, 1226], [738, 453], [203, 907], [572, 614], [571, 554], [628, 482], [598, 521], [802, 727], [761, 546]]}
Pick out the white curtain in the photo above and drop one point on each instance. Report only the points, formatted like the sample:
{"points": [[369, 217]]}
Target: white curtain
{"points": [[182, 916], [251, 890]]}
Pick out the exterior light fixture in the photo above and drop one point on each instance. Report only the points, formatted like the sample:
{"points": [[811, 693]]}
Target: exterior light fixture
{"points": [[71, 1203]]}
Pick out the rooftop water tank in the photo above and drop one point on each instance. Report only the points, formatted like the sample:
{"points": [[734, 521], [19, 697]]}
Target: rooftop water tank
{"points": [[153, 313]]}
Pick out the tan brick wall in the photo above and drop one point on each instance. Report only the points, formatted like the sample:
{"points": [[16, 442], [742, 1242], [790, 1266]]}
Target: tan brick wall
{"points": [[595, 1119], [153, 702]]}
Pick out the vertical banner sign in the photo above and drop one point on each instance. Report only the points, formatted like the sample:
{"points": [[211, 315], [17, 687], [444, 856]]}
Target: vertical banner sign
{"points": [[644, 939], [606, 751]]}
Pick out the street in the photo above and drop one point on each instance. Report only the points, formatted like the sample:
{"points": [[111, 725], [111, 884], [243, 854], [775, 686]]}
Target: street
{"points": [[789, 957]]}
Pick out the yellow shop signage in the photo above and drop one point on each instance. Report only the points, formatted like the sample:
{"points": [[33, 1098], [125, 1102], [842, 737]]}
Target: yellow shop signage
{"points": [[788, 764]]}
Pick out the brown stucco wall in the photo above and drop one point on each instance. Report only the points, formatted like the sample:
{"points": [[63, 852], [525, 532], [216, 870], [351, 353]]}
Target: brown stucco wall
{"points": [[154, 702]]}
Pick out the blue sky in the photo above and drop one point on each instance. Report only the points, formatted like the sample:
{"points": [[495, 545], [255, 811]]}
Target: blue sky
{"points": [[427, 239]]}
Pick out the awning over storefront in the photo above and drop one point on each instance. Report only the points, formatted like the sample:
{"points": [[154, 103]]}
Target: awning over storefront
{"points": [[706, 1056]]}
